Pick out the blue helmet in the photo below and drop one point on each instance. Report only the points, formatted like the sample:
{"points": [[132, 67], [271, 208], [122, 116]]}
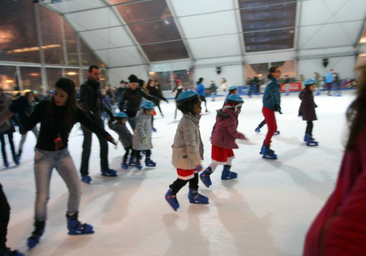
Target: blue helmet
{"points": [[120, 115], [309, 82], [186, 96], [232, 88], [147, 105], [234, 98]]}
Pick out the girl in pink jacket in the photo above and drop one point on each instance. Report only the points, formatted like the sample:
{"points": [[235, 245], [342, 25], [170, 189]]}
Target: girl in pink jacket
{"points": [[223, 138]]}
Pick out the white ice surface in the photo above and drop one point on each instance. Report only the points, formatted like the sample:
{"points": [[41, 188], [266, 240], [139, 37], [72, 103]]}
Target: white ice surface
{"points": [[265, 212]]}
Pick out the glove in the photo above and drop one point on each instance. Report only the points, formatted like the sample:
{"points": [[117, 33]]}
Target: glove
{"points": [[18, 104], [111, 140], [144, 141], [277, 108], [198, 168]]}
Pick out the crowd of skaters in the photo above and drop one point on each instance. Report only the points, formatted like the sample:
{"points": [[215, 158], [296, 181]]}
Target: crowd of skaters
{"points": [[136, 106]]}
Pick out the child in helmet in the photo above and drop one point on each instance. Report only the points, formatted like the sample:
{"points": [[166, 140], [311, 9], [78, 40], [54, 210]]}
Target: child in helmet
{"points": [[233, 90], [307, 110], [223, 138], [142, 134], [125, 137], [187, 150]]}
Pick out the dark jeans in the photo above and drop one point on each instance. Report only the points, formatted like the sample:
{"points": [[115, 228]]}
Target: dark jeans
{"points": [[3, 144], [4, 218], [262, 124], [138, 154], [179, 183], [329, 87], [309, 127], [84, 168], [131, 121], [127, 153], [158, 105], [203, 98]]}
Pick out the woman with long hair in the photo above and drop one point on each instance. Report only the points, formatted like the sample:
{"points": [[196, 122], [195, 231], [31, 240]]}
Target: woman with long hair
{"points": [[57, 117], [271, 104], [154, 89], [340, 227]]}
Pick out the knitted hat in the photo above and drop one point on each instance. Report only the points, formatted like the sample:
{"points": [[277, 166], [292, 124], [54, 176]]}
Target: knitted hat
{"points": [[133, 79], [141, 82]]}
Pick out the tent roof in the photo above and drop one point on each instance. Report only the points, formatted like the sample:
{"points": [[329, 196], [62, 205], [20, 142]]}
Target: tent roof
{"points": [[136, 32]]}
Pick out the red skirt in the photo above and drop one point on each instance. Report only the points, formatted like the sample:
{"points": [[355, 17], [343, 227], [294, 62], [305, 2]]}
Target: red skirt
{"points": [[221, 154], [186, 174]]}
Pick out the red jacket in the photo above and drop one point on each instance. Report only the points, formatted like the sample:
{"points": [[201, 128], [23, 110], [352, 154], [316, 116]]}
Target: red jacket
{"points": [[224, 131], [340, 227]]}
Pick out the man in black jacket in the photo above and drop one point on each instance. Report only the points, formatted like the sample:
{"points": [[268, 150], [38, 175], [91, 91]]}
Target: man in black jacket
{"points": [[91, 102], [131, 100]]}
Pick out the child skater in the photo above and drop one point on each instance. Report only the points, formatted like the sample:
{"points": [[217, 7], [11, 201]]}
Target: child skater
{"points": [[187, 150], [233, 90], [125, 137], [307, 110], [271, 104], [142, 134], [223, 138]]}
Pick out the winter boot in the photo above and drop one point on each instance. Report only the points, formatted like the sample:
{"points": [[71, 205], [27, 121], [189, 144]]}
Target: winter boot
{"points": [[205, 177], [33, 240], [269, 153], [149, 162], [75, 227], [306, 137], [257, 130], [277, 133], [109, 173], [196, 198], [124, 165], [172, 200], [227, 174], [311, 141], [9, 252], [86, 179]]}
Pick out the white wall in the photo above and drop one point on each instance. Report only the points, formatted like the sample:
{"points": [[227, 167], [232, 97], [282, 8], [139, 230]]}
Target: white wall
{"points": [[342, 65], [118, 74], [233, 74]]}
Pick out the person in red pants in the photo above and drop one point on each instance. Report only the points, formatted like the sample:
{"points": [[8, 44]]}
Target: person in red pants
{"points": [[271, 104], [340, 227]]}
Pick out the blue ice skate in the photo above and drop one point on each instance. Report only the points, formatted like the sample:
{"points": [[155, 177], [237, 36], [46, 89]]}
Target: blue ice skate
{"points": [[172, 200], [311, 141], [196, 198], [257, 130], [33, 240], [124, 166], [227, 174], [205, 177], [75, 227], [149, 162], [269, 153], [131, 162], [86, 179], [109, 173], [277, 133], [9, 252], [138, 165]]}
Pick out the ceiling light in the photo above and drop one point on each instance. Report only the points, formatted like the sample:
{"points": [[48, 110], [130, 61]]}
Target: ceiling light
{"points": [[363, 40]]}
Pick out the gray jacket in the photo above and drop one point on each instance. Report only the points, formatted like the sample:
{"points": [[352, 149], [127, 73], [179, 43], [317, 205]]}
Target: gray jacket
{"points": [[142, 130], [187, 146], [125, 137]]}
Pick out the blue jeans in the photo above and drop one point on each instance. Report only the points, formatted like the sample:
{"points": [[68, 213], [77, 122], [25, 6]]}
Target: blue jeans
{"points": [[44, 162]]}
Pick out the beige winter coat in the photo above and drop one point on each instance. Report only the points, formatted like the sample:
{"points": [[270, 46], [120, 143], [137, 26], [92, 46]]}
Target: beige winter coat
{"points": [[188, 146], [142, 130]]}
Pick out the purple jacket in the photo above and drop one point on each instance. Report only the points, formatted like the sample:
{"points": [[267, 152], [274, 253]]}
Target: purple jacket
{"points": [[224, 131]]}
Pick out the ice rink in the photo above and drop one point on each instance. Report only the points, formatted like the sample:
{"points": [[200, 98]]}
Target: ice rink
{"points": [[265, 212]]}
